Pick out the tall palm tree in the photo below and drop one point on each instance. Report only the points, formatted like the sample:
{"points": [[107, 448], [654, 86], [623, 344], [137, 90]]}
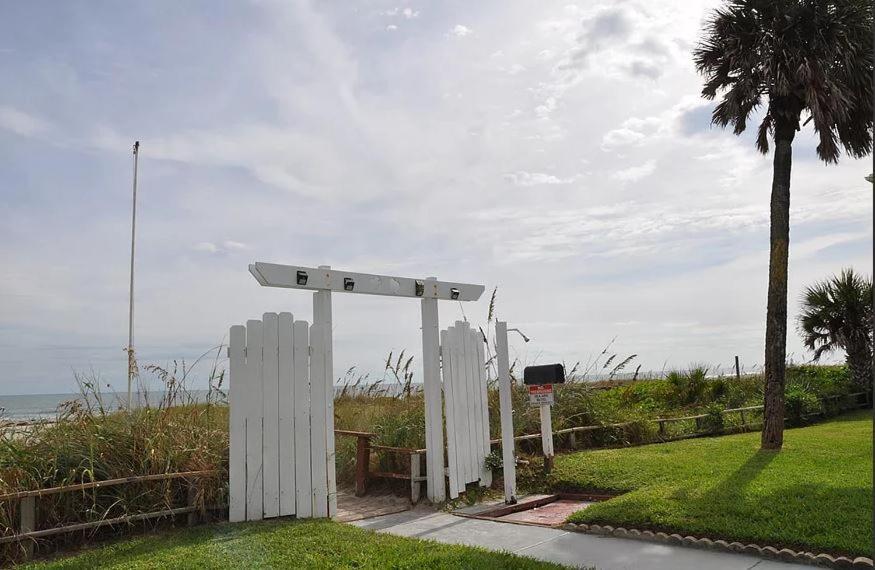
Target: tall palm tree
{"points": [[837, 315], [808, 59]]}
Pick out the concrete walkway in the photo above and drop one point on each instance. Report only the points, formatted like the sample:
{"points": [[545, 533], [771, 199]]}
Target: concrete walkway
{"points": [[570, 548]]}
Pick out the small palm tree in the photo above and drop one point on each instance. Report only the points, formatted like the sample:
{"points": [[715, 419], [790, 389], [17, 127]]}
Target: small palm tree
{"points": [[837, 315], [802, 59]]}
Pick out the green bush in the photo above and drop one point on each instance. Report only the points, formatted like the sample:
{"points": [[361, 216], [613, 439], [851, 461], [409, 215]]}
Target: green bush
{"points": [[713, 422], [799, 403]]}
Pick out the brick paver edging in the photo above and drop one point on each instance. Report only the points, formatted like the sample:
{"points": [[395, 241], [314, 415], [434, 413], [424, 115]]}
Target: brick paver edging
{"points": [[784, 554]]}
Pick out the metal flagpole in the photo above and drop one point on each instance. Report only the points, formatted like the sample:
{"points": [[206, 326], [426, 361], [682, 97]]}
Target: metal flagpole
{"points": [[131, 359]]}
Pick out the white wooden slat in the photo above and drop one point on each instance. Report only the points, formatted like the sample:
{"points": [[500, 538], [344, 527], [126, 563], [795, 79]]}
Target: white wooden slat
{"points": [[322, 302], [460, 376], [236, 428], [270, 399], [471, 405], [286, 387], [505, 392], [475, 404], [486, 474], [254, 419], [449, 409], [432, 399], [303, 479], [317, 421]]}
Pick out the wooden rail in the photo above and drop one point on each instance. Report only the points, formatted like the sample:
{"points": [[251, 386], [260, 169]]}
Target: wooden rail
{"points": [[28, 532], [106, 483], [363, 449]]}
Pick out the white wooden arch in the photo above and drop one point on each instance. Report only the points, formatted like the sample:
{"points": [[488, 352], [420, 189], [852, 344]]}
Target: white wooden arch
{"points": [[324, 281]]}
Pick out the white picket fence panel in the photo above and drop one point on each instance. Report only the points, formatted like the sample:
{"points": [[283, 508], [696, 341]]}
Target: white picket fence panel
{"points": [[279, 420], [465, 407]]}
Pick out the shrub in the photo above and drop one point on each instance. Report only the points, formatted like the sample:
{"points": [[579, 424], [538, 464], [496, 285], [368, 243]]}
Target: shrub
{"points": [[713, 420], [799, 403]]}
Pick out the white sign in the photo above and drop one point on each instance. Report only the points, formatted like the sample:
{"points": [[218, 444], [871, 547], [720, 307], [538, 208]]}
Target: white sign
{"points": [[541, 395]]}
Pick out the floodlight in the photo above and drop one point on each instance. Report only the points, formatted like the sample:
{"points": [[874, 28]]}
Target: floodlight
{"points": [[302, 278], [454, 293], [419, 286], [348, 284]]}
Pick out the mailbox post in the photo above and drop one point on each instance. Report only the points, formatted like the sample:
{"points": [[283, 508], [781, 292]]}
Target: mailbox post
{"points": [[540, 380]]}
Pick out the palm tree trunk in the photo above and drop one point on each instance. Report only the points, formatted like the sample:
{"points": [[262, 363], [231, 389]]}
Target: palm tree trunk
{"points": [[776, 310], [859, 360]]}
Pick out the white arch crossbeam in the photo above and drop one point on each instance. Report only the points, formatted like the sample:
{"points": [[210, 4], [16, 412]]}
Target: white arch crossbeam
{"points": [[320, 279]]}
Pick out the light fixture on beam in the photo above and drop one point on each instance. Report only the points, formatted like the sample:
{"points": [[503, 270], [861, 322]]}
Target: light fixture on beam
{"points": [[454, 294], [348, 284], [420, 288], [302, 278]]}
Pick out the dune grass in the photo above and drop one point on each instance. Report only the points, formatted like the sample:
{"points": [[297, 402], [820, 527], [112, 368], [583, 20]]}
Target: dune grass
{"points": [[815, 494], [285, 544]]}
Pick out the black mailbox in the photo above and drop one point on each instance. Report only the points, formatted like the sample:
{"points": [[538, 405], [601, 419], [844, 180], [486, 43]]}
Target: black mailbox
{"points": [[544, 374]]}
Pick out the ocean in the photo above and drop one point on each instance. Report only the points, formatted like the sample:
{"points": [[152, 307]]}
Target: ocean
{"points": [[45, 406]]}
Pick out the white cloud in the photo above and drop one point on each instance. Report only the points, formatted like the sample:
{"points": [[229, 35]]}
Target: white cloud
{"points": [[481, 161], [635, 173], [206, 247], [226, 247], [410, 13], [461, 31], [391, 27], [234, 245], [21, 123], [523, 178]]}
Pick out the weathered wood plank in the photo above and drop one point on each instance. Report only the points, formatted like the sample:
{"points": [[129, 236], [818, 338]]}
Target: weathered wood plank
{"points": [[237, 425], [449, 413], [303, 477], [286, 387], [254, 420], [270, 405]]}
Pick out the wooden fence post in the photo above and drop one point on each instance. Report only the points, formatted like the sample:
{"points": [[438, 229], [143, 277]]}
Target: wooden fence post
{"points": [[362, 464], [191, 501], [737, 369], [661, 428], [27, 522], [572, 440], [415, 483], [743, 420]]}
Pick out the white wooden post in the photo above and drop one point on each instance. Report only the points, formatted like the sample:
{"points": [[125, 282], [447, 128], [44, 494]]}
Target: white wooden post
{"points": [[547, 434], [434, 448], [504, 388], [322, 314], [318, 421]]}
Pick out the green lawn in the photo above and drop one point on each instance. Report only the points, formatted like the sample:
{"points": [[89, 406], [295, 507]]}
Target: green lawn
{"points": [[285, 544], [815, 494]]}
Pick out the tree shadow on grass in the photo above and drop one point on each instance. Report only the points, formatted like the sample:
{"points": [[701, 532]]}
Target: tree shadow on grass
{"points": [[832, 518]]}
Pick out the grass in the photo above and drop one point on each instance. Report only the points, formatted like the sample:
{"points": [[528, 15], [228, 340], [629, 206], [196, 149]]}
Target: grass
{"points": [[285, 544], [93, 441], [815, 494]]}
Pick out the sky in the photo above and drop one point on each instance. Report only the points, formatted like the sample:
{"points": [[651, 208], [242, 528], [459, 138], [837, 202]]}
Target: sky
{"points": [[557, 151]]}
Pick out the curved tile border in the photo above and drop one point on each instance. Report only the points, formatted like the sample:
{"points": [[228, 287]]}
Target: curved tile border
{"points": [[784, 554]]}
